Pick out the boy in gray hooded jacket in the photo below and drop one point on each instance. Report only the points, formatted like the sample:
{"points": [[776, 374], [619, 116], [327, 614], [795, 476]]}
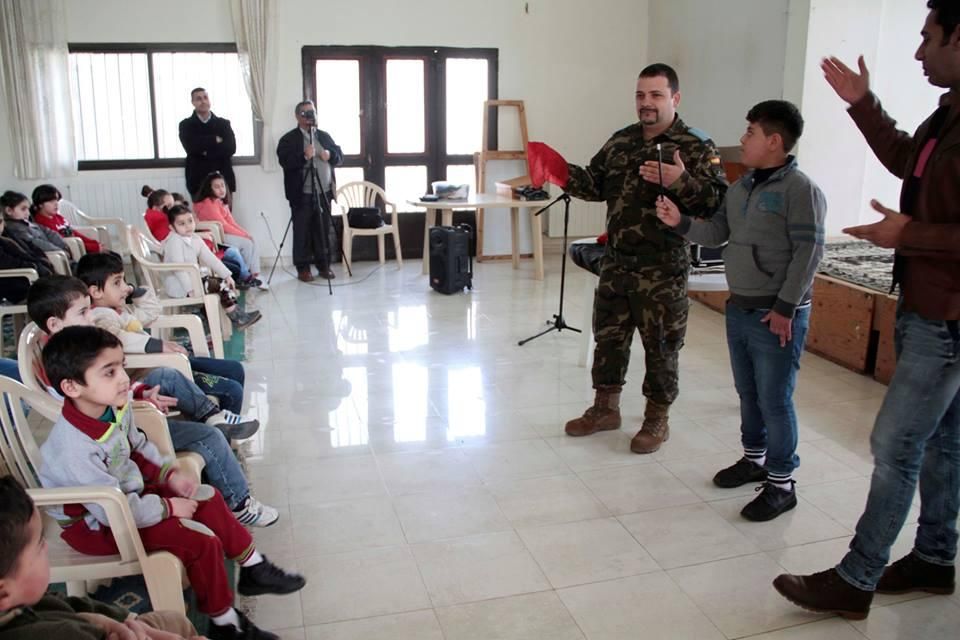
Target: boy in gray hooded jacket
{"points": [[772, 221]]}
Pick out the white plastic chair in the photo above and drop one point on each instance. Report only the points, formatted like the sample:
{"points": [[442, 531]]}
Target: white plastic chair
{"points": [[97, 227], [19, 454], [153, 272], [60, 261], [366, 194]]}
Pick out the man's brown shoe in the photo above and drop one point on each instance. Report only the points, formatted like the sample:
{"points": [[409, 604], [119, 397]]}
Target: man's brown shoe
{"points": [[304, 275], [825, 592], [911, 573], [604, 415], [654, 431]]}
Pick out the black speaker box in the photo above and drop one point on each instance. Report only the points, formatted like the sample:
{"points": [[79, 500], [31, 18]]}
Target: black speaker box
{"points": [[451, 267]]}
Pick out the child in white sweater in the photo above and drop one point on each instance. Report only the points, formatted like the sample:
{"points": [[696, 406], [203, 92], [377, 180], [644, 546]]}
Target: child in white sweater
{"points": [[183, 245]]}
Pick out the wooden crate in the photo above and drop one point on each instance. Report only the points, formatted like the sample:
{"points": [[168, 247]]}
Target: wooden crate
{"points": [[884, 320], [841, 322]]}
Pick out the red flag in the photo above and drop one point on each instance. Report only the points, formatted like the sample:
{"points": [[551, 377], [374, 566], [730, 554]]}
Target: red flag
{"points": [[546, 165]]}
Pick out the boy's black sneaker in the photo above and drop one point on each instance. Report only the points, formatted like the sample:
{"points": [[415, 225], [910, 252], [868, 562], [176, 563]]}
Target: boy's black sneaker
{"points": [[266, 577], [742, 472], [911, 573], [771, 502], [247, 631]]}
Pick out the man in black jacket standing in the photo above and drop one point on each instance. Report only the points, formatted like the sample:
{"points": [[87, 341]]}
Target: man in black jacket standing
{"points": [[209, 142], [300, 151]]}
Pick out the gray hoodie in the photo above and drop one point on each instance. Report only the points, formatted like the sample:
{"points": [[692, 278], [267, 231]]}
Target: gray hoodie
{"points": [[774, 235]]}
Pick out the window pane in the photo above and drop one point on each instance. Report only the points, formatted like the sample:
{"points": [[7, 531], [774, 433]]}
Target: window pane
{"points": [[405, 114], [349, 174], [466, 92], [111, 106], [463, 174], [176, 74], [338, 102], [405, 183]]}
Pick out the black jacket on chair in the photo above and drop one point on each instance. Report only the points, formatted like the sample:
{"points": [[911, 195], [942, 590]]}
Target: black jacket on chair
{"points": [[204, 154], [290, 156]]}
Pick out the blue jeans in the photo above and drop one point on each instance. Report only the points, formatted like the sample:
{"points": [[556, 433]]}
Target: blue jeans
{"points": [[765, 375], [233, 257], [10, 368], [222, 469], [191, 399], [916, 436], [222, 379]]}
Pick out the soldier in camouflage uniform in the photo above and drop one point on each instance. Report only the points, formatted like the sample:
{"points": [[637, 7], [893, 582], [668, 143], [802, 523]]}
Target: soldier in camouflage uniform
{"points": [[643, 277]]}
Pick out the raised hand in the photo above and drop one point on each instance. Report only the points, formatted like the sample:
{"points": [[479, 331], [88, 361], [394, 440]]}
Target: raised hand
{"points": [[885, 233], [671, 172], [849, 85]]}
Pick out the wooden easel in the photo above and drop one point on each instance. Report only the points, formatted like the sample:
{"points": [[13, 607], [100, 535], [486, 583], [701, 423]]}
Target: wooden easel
{"points": [[486, 154]]}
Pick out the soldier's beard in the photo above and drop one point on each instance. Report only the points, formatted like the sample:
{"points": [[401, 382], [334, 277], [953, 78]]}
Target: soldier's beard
{"points": [[649, 116]]}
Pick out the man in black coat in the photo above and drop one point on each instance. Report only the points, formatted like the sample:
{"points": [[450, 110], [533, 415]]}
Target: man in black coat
{"points": [[299, 154], [209, 143]]}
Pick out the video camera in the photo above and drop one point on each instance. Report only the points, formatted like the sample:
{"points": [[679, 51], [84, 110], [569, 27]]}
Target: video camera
{"points": [[309, 115]]}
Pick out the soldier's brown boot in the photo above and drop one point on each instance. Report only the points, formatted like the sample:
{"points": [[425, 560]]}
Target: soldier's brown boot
{"points": [[604, 415], [654, 431]]}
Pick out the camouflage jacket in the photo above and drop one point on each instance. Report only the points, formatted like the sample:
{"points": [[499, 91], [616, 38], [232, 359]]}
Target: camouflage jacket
{"points": [[613, 176]]}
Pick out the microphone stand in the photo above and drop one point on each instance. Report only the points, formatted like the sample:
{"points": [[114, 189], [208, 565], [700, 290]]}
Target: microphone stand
{"points": [[558, 323]]}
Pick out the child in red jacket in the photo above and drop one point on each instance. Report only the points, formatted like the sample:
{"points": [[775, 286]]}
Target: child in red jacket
{"points": [[46, 212]]}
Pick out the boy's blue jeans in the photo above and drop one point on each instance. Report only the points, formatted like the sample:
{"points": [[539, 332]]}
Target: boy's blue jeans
{"points": [[765, 375], [916, 436], [191, 399], [232, 255], [222, 469], [220, 378]]}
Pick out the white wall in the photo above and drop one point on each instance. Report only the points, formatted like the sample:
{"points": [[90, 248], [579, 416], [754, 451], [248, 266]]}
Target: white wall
{"points": [[567, 59], [729, 56], [833, 152]]}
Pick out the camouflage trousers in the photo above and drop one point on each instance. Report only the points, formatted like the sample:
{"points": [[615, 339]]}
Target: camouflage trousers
{"points": [[652, 300]]}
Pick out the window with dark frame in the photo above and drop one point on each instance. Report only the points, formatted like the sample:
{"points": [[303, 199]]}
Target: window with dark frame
{"points": [[129, 99], [405, 117]]}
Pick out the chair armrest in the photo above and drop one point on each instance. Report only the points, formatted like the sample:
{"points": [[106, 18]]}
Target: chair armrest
{"points": [[215, 228], [176, 361], [60, 262], [100, 233], [196, 279], [153, 423], [75, 245], [28, 273], [193, 325], [113, 502]]}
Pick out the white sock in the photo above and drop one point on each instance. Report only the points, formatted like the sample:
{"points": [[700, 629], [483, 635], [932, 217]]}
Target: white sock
{"points": [[756, 456], [781, 481], [255, 558], [230, 617]]}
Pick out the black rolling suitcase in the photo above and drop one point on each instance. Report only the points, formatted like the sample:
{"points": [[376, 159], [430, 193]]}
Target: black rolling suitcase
{"points": [[451, 267]]}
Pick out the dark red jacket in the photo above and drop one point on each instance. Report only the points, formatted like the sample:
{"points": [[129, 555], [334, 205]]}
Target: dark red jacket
{"points": [[930, 246]]}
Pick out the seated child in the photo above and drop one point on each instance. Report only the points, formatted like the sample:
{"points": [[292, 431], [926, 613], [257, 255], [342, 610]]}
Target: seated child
{"points": [[46, 212], [58, 302], [28, 611], [95, 442], [184, 246], [14, 255], [16, 213], [127, 317], [210, 207], [158, 201]]}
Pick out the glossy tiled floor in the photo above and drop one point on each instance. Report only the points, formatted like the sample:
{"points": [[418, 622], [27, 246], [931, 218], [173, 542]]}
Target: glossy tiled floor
{"points": [[417, 456]]}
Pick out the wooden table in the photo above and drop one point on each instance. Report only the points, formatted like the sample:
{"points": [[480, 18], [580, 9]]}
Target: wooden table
{"points": [[487, 201]]}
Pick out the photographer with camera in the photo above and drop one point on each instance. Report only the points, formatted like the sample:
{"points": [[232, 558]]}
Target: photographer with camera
{"points": [[308, 156]]}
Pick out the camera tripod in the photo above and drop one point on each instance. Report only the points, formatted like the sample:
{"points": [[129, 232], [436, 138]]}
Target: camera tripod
{"points": [[321, 209]]}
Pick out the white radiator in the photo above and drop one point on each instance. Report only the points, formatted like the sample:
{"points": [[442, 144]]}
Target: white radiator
{"points": [[117, 198]]}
